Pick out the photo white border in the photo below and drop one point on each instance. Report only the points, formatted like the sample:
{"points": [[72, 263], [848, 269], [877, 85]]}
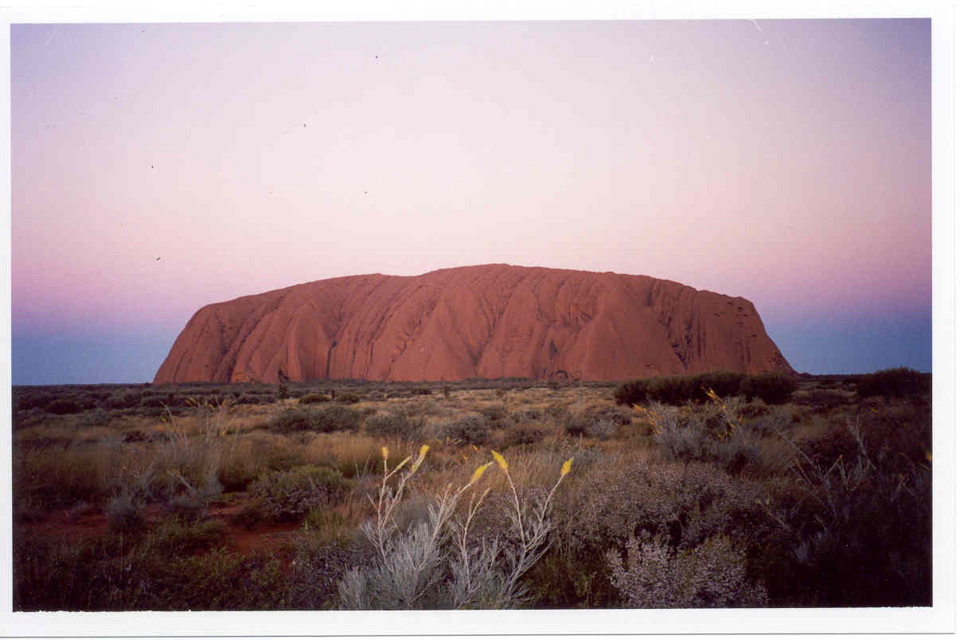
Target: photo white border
{"points": [[938, 619]]}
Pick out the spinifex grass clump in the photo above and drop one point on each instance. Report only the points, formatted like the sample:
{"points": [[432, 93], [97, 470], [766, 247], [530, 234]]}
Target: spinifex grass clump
{"points": [[440, 562]]}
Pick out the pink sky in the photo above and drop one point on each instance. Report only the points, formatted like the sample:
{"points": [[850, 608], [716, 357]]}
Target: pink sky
{"points": [[784, 161]]}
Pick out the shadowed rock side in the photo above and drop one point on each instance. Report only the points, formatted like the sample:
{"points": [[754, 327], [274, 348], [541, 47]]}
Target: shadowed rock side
{"points": [[488, 321]]}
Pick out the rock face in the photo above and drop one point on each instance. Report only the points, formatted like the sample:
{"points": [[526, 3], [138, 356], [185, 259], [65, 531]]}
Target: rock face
{"points": [[487, 321]]}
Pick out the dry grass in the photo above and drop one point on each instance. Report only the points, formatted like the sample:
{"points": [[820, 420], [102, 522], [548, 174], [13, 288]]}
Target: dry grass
{"points": [[624, 481]]}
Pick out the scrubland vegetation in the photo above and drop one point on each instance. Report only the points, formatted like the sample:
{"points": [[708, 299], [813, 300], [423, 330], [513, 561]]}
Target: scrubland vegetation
{"points": [[722, 490]]}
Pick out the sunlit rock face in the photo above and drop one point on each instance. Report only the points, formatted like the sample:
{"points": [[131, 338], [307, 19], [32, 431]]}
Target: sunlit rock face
{"points": [[486, 321]]}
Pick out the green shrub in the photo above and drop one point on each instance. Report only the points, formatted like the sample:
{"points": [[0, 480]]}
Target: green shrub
{"points": [[707, 433], [395, 425], [892, 383], [616, 415], [348, 397], [467, 430], [290, 495], [772, 388], [655, 575], [590, 426], [336, 418], [688, 502], [325, 420], [175, 537], [313, 398]]}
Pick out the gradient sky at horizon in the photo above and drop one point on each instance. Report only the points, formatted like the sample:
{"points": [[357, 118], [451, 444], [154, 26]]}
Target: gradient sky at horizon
{"points": [[786, 161]]}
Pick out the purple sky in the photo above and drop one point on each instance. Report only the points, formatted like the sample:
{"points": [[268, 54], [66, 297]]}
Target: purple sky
{"points": [[785, 161]]}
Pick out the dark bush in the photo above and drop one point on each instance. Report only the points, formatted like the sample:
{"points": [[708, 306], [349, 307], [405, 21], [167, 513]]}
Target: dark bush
{"points": [[893, 383], [251, 398], [824, 400], [772, 388], [63, 406], [291, 420], [632, 392], [124, 515], [724, 383], [677, 390], [526, 415], [126, 399], [496, 415], [348, 397], [27, 399], [153, 402], [248, 517], [521, 435]]}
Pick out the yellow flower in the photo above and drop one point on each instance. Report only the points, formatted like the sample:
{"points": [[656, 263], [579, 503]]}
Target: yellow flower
{"points": [[385, 451], [479, 472], [420, 456], [565, 469], [500, 460]]}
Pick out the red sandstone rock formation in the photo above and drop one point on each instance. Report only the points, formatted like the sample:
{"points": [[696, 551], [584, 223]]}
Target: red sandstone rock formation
{"points": [[487, 321]]}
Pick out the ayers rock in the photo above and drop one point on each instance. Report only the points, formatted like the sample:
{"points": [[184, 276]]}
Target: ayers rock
{"points": [[487, 321]]}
